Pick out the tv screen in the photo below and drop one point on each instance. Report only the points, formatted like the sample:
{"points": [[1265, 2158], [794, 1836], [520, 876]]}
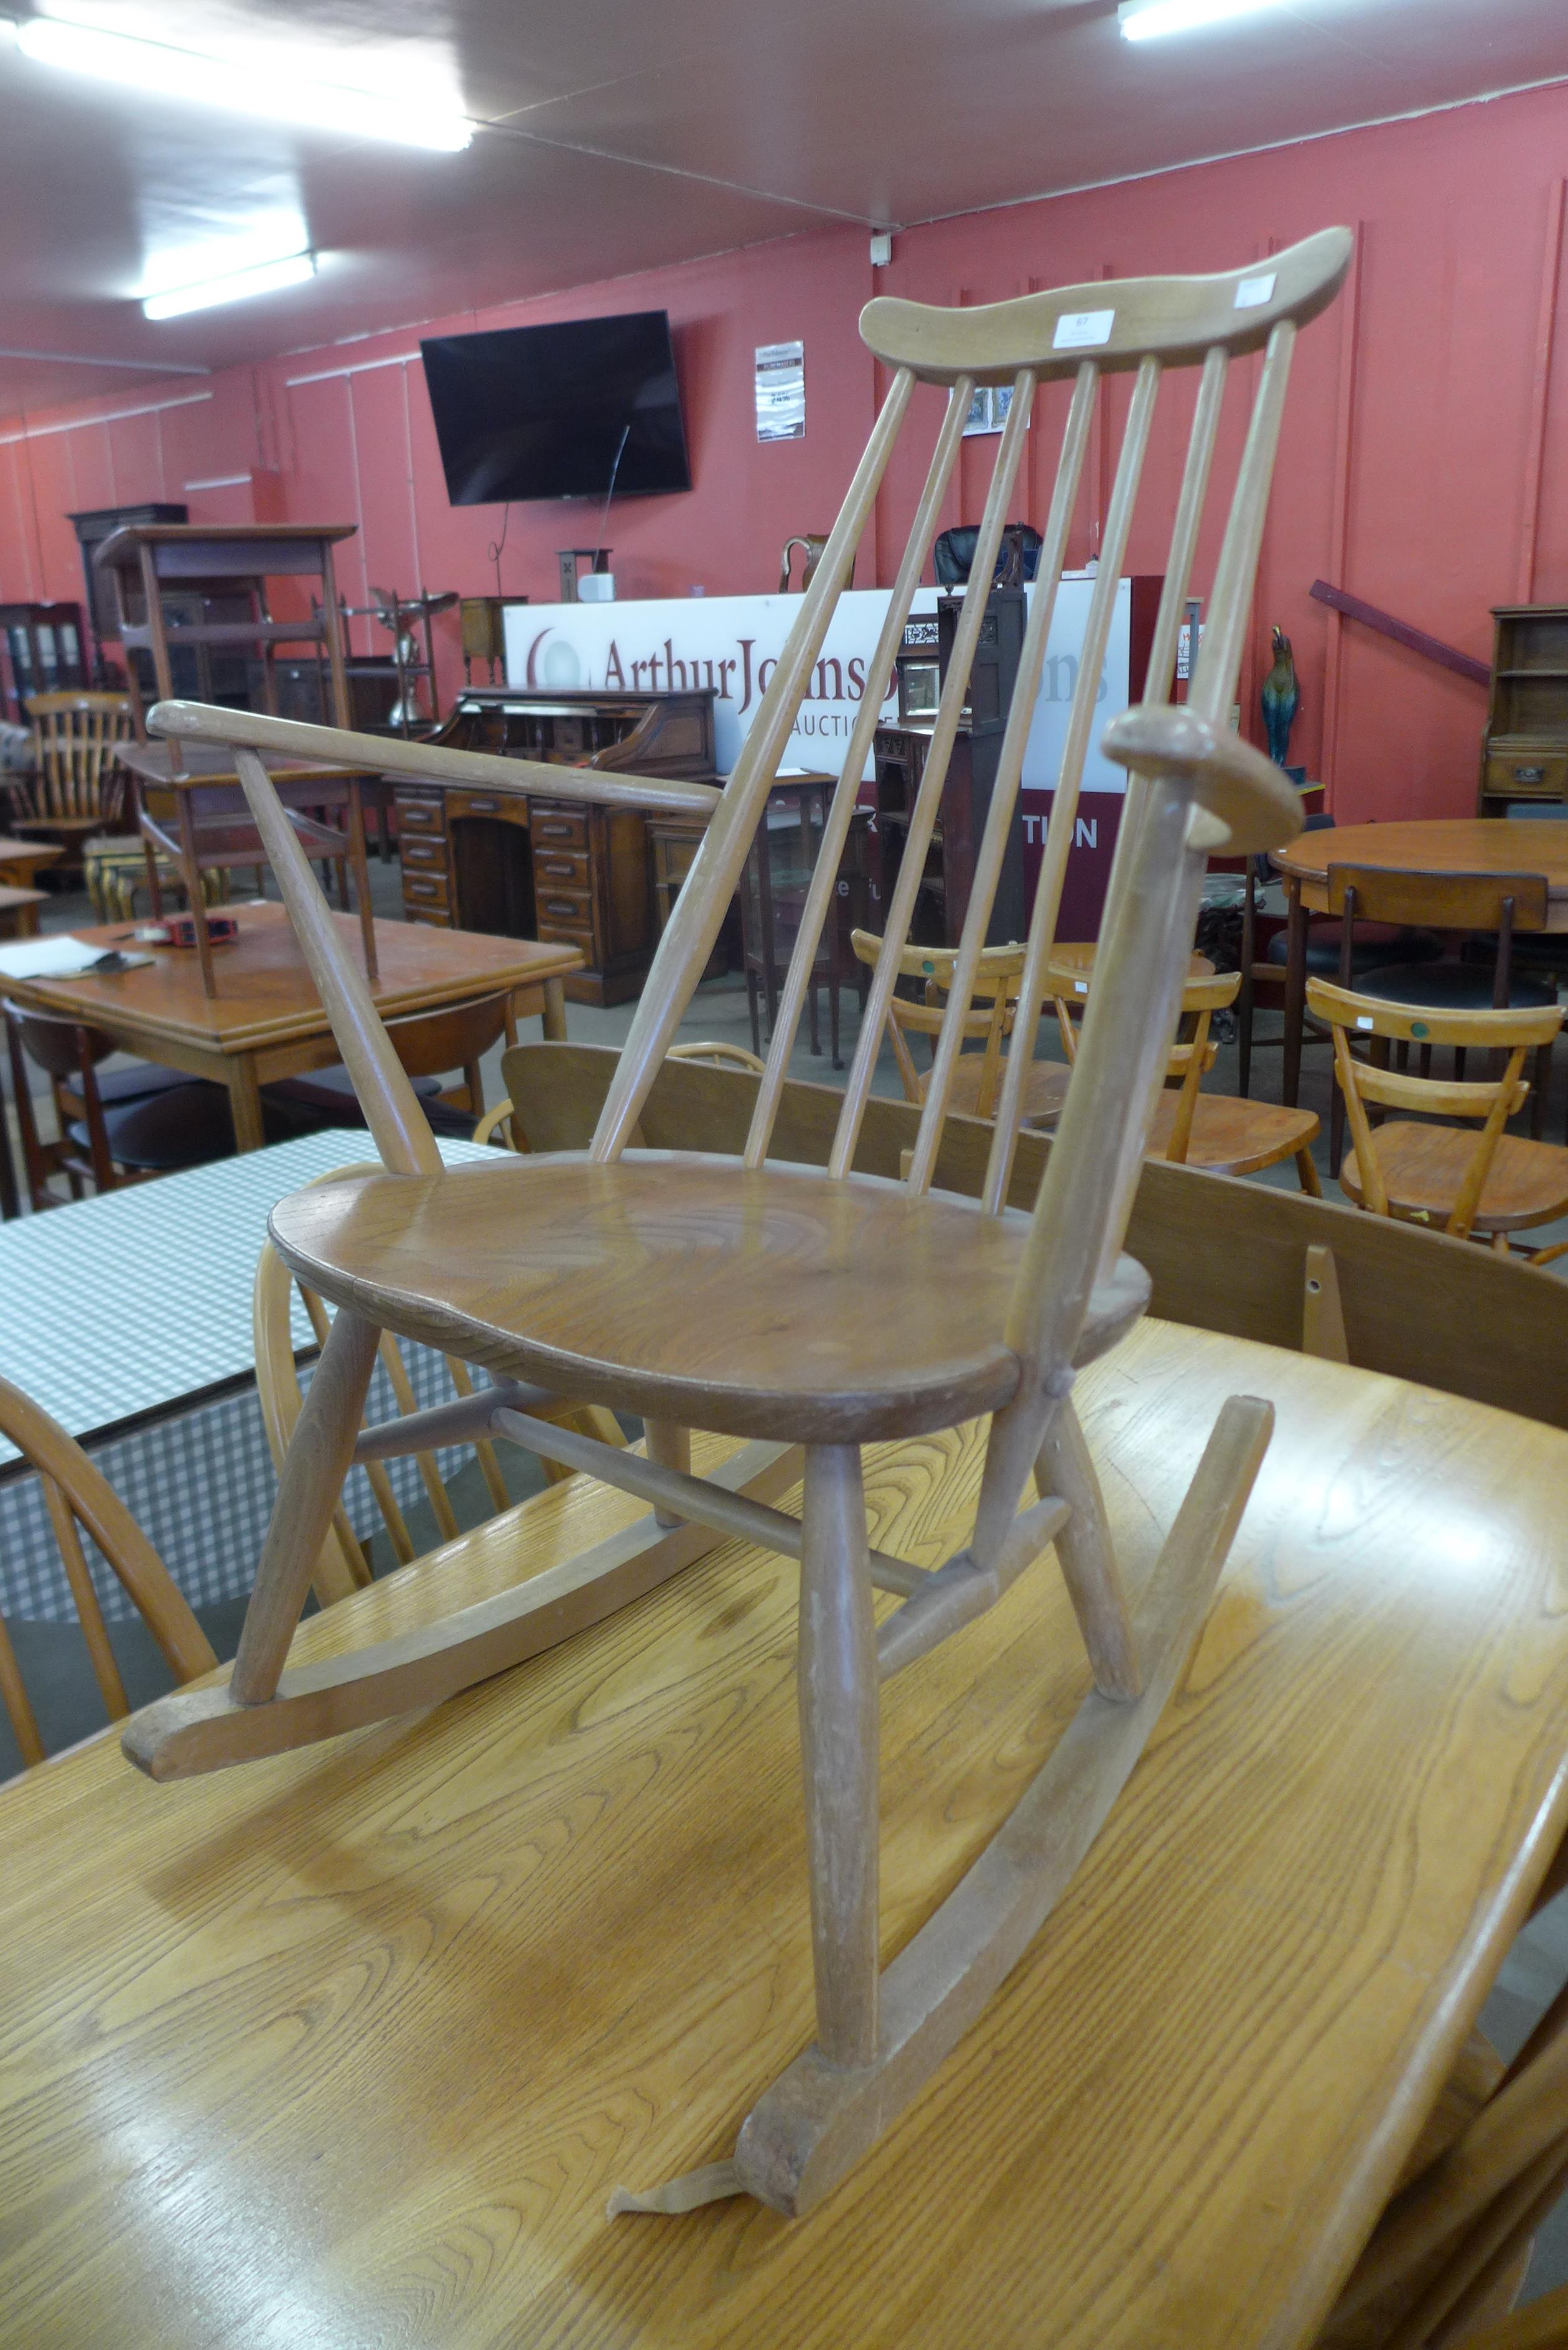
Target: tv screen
{"points": [[553, 411]]}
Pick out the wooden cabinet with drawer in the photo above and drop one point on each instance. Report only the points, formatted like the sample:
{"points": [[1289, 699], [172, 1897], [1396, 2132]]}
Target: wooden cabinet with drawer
{"points": [[1524, 750]]}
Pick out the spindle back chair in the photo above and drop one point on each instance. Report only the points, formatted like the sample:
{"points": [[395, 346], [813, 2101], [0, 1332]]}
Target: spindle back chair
{"points": [[1487, 1183], [796, 1309], [989, 1020], [77, 782], [77, 1496]]}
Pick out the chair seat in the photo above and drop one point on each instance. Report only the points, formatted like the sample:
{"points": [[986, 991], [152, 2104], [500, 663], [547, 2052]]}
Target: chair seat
{"points": [[775, 1304], [186, 1126], [1234, 1138], [1044, 1089], [1423, 1167], [1376, 943], [1453, 987], [327, 1097]]}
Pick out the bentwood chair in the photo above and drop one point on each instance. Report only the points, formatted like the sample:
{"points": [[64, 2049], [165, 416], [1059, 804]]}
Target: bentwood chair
{"points": [[977, 1077], [1221, 1134], [783, 1310], [1487, 1184], [76, 784], [78, 1497], [1499, 906]]}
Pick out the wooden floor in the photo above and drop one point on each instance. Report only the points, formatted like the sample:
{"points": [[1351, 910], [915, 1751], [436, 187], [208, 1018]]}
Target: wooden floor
{"points": [[348, 2050]]}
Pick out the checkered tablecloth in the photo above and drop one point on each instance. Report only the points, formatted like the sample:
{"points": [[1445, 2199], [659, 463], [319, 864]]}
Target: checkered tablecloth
{"points": [[135, 1307]]}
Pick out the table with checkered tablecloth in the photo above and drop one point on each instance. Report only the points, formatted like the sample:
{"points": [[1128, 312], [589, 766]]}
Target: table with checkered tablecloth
{"points": [[128, 1316]]}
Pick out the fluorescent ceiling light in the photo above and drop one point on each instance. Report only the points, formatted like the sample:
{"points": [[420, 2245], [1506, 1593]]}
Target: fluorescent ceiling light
{"points": [[235, 287], [245, 88], [1145, 20]]}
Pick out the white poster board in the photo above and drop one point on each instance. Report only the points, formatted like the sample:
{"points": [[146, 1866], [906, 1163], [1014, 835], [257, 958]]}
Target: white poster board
{"points": [[731, 644]]}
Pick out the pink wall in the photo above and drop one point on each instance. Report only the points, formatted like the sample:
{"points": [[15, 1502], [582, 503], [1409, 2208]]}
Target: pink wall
{"points": [[1425, 446]]}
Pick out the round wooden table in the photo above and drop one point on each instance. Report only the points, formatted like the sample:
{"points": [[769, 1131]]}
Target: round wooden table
{"points": [[1445, 845]]}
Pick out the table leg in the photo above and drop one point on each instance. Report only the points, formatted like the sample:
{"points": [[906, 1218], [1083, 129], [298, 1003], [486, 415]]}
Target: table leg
{"points": [[555, 1014], [195, 898], [1296, 989], [245, 1102], [362, 877]]}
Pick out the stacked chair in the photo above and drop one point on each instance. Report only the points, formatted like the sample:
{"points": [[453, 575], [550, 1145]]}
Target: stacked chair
{"points": [[791, 1315]]}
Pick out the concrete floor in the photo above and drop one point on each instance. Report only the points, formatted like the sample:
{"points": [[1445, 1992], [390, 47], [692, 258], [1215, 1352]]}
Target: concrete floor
{"points": [[1536, 1968]]}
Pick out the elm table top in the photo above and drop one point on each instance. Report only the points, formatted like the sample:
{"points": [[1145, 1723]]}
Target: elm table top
{"points": [[350, 2046]]}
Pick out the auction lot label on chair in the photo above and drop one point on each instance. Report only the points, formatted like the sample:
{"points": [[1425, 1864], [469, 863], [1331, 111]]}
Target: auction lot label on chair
{"points": [[730, 645]]}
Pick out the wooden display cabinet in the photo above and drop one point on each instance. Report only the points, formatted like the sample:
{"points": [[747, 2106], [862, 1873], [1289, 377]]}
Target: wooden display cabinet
{"points": [[1524, 750]]}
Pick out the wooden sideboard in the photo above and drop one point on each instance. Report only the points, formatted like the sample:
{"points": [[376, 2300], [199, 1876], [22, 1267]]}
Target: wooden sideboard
{"points": [[560, 870]]}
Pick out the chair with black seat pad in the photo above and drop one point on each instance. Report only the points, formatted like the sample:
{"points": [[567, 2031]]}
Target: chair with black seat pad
{"points": [[1376, 943], [113, 1128], [1495, 904], [429, 1045]]}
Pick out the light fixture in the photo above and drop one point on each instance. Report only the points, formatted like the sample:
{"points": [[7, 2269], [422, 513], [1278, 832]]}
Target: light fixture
{"points": [[267, 277], [246, 86], [1145, 20]]}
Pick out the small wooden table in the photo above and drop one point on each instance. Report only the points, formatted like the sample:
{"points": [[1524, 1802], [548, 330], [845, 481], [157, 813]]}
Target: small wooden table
{"points": [[268, 1022], [20, 860], [191, 803], [1449, 845], [350, 2046], [19, 912]]}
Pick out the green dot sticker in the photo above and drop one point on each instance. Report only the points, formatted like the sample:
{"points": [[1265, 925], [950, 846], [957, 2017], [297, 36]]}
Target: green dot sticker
{"points": [[1420, 1028], [927, 966]]}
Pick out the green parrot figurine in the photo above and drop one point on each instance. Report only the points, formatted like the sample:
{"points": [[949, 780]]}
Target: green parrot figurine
{"points": [[1281, 699]]}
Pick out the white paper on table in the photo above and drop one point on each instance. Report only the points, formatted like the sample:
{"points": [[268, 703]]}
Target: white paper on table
{"points": [[56, 958]]}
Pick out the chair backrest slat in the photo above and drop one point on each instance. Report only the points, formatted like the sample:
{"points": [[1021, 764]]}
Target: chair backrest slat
{"points": [[1064, 803], [704, 900], [78, 1496], [1460, 901], [933, 777], [836, 832]]}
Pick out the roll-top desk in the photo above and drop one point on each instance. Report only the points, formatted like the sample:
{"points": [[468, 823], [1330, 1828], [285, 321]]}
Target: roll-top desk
{"points": [[562, 871]]}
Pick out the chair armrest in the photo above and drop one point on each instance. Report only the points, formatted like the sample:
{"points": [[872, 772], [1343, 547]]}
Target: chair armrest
{"points": [[1255, 801]]}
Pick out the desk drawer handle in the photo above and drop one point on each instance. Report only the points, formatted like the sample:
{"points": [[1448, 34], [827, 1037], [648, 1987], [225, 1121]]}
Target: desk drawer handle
{"points": [[482, 808], [414, 888], [558, 832], [560, 866], [567, 907]]}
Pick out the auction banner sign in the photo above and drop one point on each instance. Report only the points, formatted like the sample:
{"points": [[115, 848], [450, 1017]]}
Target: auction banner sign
{"points": [[731, 645]]}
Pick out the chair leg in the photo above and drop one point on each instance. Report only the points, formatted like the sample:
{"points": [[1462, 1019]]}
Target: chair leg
{"points": [[308, 1491], [1244, 1034], [1543, 1082], [839, 1740], [1307, 1170]]}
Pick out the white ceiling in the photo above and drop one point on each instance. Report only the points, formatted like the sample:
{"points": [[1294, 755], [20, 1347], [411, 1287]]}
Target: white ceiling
{"points": [[623, 134]]}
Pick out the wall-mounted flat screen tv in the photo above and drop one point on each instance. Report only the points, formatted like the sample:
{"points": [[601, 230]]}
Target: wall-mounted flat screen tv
{"points": [[556, 412]]}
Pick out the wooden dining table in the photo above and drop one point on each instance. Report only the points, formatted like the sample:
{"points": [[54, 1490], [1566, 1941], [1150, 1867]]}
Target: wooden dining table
{"points": [[266, 1022], [350, 2047], [1443, 845]]}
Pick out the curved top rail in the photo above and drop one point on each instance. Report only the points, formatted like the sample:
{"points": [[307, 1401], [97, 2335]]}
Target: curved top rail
{"points": [[289, 739], [1255, 801], [1115, 322]]}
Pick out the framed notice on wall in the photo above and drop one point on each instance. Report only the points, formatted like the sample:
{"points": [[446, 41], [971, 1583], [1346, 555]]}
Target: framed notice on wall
{"points": [[781, 391]]}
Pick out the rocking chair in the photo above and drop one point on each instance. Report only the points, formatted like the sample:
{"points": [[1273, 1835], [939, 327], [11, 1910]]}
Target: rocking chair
{"points": [[790, 1307]]}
